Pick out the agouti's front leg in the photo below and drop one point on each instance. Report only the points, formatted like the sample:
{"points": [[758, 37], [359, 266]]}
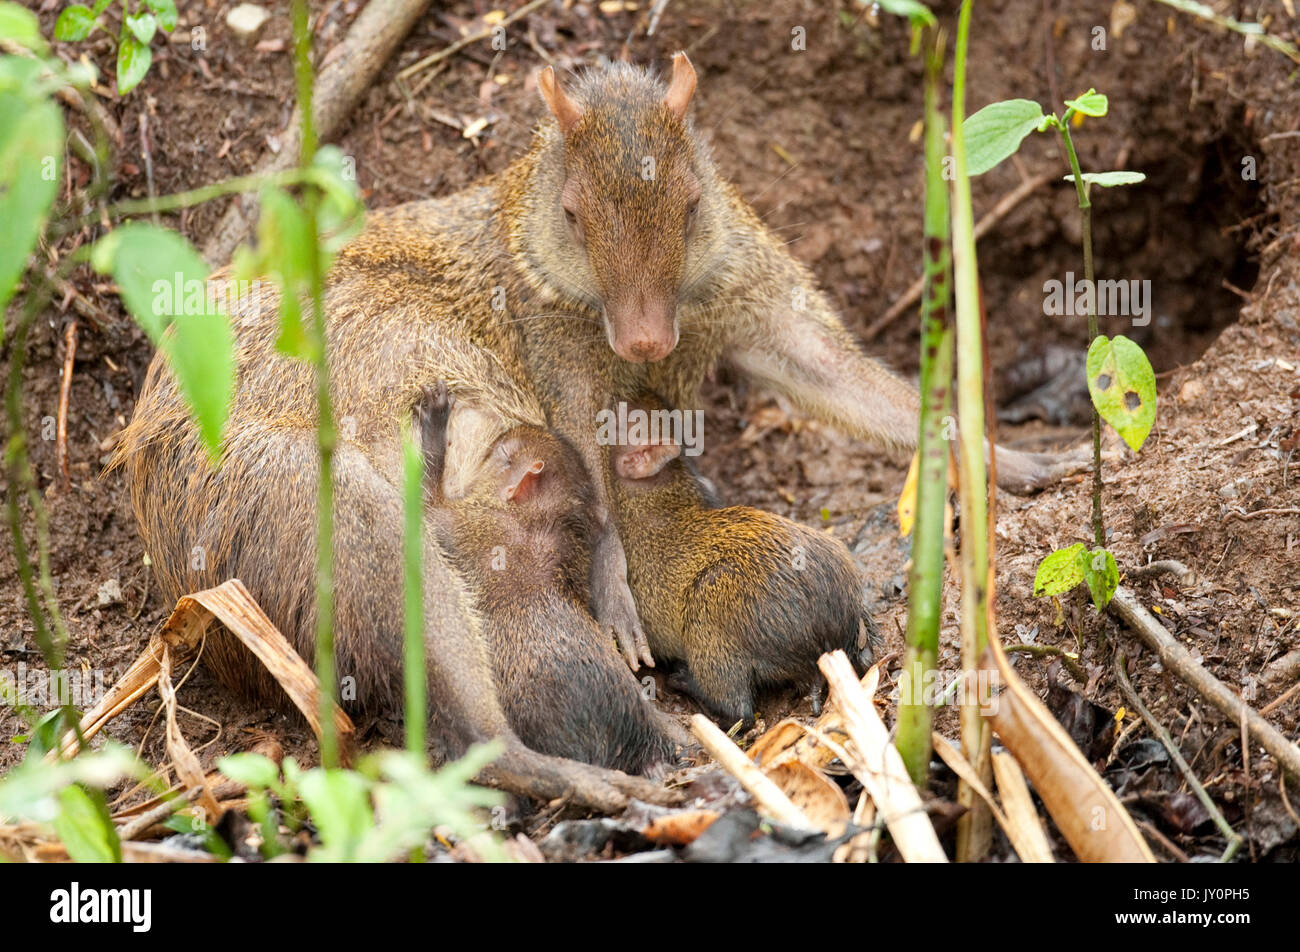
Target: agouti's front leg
{"points": [[808, 355]]}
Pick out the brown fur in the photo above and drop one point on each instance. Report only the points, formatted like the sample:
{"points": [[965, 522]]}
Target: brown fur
{"points": [[564, 688], [748, 599], [488, 290]]}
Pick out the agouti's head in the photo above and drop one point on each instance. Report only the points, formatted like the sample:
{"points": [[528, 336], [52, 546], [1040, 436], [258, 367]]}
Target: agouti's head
{"points": [[628, 200], [532, 470]]}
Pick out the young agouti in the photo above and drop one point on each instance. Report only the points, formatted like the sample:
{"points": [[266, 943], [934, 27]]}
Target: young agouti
{"points": [[748, 599], [521, 536]]}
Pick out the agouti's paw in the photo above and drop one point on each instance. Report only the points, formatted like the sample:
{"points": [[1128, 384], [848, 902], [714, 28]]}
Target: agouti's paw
{"points": [[430, 413]]}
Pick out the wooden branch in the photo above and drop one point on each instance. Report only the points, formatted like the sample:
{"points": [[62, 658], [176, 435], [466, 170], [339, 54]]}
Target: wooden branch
{"points": [[879, 766], [1179, 661], [346, 72], [769, 798]]}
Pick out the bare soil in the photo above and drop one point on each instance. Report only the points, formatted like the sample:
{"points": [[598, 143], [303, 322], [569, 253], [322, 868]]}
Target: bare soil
{"points": [[823, 142]]}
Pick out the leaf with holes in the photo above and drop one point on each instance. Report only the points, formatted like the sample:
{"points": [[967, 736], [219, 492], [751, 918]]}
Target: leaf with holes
{"points": [[1059, 572], [1123, 387], [1101, 574]]}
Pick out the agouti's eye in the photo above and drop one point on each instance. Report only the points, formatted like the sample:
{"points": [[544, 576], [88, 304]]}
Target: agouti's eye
{"points": [[571, 218]]}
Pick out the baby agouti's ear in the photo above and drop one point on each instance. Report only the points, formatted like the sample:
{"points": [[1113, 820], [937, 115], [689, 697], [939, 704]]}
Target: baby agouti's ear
{"points": [[525, 482], [641, 461], [682, 86], [566, 111]]}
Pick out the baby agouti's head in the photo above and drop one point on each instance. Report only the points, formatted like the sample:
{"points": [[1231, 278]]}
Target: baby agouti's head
{"points": [[530, 470]]}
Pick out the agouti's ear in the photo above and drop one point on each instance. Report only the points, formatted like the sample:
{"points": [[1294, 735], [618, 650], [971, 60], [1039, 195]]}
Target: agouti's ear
{"points": [[645, 460], [682, 86], [519, 490], [566, 111]]}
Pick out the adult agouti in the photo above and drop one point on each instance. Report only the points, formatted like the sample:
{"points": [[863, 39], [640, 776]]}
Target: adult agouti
{"points": [[521, 537], [609, 259], [748, 599]]}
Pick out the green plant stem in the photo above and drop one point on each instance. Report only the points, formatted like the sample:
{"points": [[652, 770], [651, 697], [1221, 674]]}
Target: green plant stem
{"points": [[37, 581], [925, 580], [1085, 222], [974, 832], [413, 551], [326, 433], [206, 193]]}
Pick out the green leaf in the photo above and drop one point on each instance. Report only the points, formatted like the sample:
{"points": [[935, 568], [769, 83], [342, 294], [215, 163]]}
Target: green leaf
{"points": [[143, 25], [1091, 103], [1110, 179], [339, 801], [162, 280], [85, 827], [31, 156], [1059, 572], [74, 23], [133, 59], [286, 242], [1101, 574], [20, 25], [165, 11], [917, 13], [252, 770], [1123, 387], [996, 131]]}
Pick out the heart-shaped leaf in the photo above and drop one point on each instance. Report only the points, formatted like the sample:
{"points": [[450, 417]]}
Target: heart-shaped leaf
{"points": [[1123, 387], [996, 131], [143, 25], [133, 60], [74, 23], [1059, 572], [1101, 574]]}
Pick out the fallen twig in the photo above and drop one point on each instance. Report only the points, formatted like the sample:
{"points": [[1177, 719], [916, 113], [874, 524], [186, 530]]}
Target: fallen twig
{"points": [[465, 41], [65, 388], [879, 766], [1181, 573], [770, 799], [347, 71], [1243, 515], [1179, 661], [1125, 686]]}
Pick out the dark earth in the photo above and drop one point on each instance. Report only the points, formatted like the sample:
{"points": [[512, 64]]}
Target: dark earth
{"points": [[824, 141]]}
